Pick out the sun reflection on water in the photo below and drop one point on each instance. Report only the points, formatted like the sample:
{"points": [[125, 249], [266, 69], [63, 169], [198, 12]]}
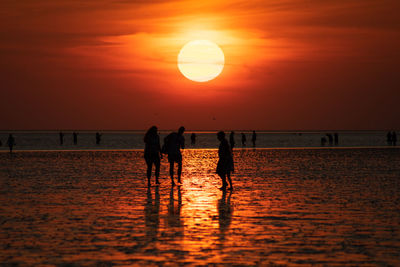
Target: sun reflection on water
{"points": [[302, 207]]}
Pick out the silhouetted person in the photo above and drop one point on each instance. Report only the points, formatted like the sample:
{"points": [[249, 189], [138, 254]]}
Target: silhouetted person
{"points": [[254, 138], [173, 144], [225, 163], [11, 142], [193, 139], [61, 135], [336, 137], [75, 136], [98, 138], [394, 138], [243, 139], [152, 215], [1, 143], [152, 151], [225, 211], [389, 138], [330, 138], [232, 140], [323, 141]]}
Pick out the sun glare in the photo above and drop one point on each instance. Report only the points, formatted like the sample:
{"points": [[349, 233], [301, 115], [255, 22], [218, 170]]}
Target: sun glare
{"points": [[201, 60]]}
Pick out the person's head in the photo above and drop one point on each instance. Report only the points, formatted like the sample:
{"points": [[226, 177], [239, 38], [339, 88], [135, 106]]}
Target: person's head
{"points": [[152, 130], [181, 130], [221, 135]]}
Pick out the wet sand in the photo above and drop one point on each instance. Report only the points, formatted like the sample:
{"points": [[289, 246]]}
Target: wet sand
{"points": [[289, 207]]}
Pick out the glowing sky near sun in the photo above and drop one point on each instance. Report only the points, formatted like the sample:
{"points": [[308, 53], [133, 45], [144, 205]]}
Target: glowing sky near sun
{"points": [[113, 64]]}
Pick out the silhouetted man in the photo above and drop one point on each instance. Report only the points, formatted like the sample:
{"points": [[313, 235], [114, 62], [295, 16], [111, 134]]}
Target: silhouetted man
{"points": [[98, 138], [394, 138], [173, 144], [61, 138], [323, 141], [75, 135], [336, 136], [254, 138], [243, 139], [389, 138], [330, 138], [193, 139], [11, 142]]}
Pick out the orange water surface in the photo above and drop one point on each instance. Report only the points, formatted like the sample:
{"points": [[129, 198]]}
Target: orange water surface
{"points": [[330, 207]]}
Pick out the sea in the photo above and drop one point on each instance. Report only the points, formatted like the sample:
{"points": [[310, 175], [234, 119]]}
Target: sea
{"points": [[50, 140], [293, 203]]}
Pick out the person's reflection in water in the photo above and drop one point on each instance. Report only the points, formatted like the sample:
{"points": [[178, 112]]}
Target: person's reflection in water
{"points": [[151, 212], [225, 211], [174, 213]]}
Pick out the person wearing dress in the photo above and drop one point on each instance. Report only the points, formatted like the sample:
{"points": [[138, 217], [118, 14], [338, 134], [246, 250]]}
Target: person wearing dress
{"points": [[152, 152], [225, 163]]}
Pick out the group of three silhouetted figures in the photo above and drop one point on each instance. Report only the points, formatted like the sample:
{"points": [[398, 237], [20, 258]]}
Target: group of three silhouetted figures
{"points": [[173, 143]]}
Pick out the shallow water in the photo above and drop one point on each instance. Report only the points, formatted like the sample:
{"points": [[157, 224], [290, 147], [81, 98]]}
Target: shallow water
{"points": [[289, 206]]}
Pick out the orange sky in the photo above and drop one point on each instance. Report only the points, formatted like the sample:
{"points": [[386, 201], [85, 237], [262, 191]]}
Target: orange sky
{"points": [[290, 65]]}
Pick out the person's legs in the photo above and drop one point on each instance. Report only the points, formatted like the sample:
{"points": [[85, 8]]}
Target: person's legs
{"points": [[223, 179], [149, 167], [229, 179], [157, 165], [179, 170], [171, 171]]}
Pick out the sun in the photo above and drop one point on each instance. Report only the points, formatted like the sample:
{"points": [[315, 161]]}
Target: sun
{"points": [[201, 60]]}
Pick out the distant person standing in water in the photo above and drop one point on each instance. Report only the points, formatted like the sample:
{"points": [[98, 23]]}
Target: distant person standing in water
{"points": [[75, 136], [193, 139], [152, 152], [389, 138], [323, 141], [336, 137], [98, 138], [243, 139], [225, 162], [254, 138], [394, 138], [11, 142], [232, 140], [330, 138], [172, 146], [61, 135]]}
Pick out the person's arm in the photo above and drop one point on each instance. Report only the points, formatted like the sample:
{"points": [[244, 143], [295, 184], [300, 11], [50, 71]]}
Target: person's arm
{"points": [[182, 142]]}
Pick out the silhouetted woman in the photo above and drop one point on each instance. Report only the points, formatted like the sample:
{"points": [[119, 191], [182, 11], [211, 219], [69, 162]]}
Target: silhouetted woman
{"points": [[225, 162], [152, 152], [10, 142]]}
